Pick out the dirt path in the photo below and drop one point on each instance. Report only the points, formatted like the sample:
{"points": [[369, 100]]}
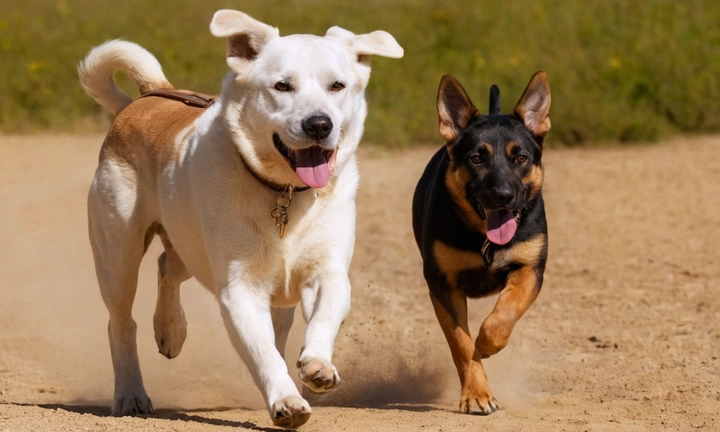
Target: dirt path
{"points": [[625, 335]]}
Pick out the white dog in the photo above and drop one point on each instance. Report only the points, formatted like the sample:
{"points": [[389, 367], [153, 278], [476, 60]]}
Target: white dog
{"points": [[225, 186]]}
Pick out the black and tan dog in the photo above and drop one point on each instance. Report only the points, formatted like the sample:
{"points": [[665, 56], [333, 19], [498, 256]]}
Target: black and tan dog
{"points": [[479, 221]]}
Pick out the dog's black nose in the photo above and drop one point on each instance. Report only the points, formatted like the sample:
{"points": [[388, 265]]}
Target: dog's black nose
{"points": [[317, 127], [503, 195]]}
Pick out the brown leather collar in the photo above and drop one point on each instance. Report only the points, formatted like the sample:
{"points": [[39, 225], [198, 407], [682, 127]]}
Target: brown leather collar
{"points": [[269, 183], [184, 96]]}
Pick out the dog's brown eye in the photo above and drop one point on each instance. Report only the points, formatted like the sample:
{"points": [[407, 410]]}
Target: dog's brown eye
{"points": [[282, 86], [521, 158], [476, 159], [337, 86]]}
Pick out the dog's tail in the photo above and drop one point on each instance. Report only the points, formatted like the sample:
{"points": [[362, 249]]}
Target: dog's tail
{"points": [[96, 73]]}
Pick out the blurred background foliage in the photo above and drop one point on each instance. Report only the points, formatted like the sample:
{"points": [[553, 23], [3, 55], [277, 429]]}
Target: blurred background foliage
{"points": [[619, 71]]}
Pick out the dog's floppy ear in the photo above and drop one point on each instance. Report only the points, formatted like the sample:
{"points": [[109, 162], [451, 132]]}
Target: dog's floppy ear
{"points": [[455, 110], [365, 45], [246, 36], [533, 108]]}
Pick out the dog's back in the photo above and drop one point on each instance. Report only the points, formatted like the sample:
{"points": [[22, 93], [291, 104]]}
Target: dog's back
{"points": [[144, 129], [424, 193]]}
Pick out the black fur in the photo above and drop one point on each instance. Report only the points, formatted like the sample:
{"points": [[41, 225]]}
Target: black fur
{"points": [[436, 214], [494, 108]]}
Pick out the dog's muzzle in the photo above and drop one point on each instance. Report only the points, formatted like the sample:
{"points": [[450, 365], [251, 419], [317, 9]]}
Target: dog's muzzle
{"points": [[313, 165]]}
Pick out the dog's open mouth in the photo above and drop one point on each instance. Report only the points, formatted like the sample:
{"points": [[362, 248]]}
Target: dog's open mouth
{"points": [[501, 225], [312, 165]]}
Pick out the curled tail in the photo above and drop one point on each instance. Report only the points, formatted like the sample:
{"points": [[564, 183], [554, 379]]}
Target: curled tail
{"points": [[96, 73]]}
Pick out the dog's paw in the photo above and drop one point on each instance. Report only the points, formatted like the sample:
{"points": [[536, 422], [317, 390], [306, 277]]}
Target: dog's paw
{"points": [[131, 405], [478, 404], [290, 412], [318, 375], [493, 337], [170, 332]]}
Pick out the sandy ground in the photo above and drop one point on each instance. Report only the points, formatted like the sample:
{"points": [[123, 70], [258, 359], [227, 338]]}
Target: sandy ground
{"points": [[624, 336]]}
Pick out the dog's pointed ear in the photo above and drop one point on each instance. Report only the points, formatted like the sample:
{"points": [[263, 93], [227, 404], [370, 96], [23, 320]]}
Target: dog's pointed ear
{"points": [[366, 45], [533, 108], [455, 110], [246, 36]]}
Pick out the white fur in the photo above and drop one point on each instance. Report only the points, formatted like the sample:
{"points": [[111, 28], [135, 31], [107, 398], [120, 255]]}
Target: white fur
{"points": [[217, 215], [96, 71]]}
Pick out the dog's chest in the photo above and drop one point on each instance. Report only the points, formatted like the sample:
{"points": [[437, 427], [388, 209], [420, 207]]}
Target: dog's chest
{"points": [[467, 270], [293, 263]]}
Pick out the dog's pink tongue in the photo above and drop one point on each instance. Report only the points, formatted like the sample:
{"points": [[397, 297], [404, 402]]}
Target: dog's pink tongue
{"points": [[501, 226], [311, 166]]}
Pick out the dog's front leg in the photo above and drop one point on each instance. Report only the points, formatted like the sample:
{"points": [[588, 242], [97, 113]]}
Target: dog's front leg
{"points": [[246, 313], [282, 322], [521, 290], [475, 395], [325, 303]]}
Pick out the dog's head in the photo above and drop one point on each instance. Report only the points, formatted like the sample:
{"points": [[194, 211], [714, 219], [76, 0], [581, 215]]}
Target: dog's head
{"points": [[296, 103], [495, 160]]}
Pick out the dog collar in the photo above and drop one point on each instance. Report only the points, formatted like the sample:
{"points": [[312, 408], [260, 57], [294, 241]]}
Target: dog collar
{"points": [[271, 184], [487, 251], [279, 213], [184, 96]]}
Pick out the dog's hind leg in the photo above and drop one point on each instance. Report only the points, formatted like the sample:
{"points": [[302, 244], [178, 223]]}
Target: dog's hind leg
{"points": [[475, 395], [117, 236], [282, 319], [169, 319]]}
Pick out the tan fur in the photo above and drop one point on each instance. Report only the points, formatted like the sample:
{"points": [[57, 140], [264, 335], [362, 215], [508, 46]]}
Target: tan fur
{"points": [[145, 132], [514, 300], [456, 178], [454, 261], [525, 253], [475, 396]]}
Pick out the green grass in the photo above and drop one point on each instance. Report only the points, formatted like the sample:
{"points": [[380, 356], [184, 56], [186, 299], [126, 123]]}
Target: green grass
{"points": [[619, 71]]}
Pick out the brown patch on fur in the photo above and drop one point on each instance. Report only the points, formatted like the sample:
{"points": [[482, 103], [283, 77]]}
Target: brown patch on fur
{"points": [[517, 296], [456, 178], [535, 179], [489, 149], [526, 253], [144, 134], [241, 45], [510, 148], [453, 261]]}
